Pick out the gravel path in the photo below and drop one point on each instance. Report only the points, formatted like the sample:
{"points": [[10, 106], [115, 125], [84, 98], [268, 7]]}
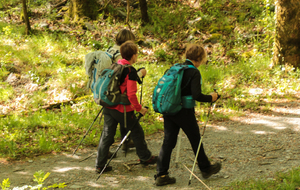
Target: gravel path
{"points": [[252, 146]]}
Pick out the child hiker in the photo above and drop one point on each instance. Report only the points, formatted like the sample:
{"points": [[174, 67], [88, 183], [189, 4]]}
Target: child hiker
{"points": [[122, 36], [186, 120], [115, 115]]}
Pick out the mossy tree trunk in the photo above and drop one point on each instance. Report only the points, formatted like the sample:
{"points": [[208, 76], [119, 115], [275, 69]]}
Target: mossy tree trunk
{"points": [[83, 8], [26, 19], [287, 39], [144, 11]]}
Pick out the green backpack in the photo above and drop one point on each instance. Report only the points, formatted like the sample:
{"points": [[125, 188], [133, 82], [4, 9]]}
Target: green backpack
{"points": [[166, 97]]}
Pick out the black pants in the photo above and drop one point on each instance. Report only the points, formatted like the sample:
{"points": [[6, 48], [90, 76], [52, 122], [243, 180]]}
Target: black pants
{"points": [[186, 120], [111, 120]]}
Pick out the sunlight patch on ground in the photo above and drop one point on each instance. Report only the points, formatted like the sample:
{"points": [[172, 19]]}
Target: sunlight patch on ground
{"points": [[220, 128], [89, 168], [285, 111], [261, 132], [4, 109], [61, 170], [279, 123], [117, 161], [23, 173], [279, 128], [31, 87], [71, 156], [141, 178], [238, 132], [148, 52], [59, 95], [8, 42], [93, 184], [112, 181], [255, 91]]}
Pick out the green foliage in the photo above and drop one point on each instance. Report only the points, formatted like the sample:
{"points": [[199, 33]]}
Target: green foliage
{"points": [[166, 22], [5, 184], [7, 3], [6, 92], [238, 36], [287, 181], [39, 177]]}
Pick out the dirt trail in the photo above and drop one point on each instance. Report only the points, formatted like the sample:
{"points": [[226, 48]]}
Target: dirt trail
{"points": [[252, 146]]}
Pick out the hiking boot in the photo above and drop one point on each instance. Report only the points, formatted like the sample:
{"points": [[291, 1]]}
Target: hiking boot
{"points": [[151, 161], [164, 180], [213, 169], [107, 169], [127, 145], [109, 155]]}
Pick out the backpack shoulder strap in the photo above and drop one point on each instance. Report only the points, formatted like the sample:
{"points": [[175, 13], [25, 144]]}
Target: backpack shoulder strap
{"points": [[116, 54], [113, 52], [188, 67]]}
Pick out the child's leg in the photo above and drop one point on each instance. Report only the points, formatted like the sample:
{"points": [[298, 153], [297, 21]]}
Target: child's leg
{"points": [[106, 139]]}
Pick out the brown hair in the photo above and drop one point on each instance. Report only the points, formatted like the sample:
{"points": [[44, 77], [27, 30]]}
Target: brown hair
{"points": [[123, 36], [196, 53], [128, 49]]}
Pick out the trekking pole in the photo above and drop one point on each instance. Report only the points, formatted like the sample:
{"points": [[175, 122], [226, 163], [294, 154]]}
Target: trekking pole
{"points": [[198, 150], [142, 90], [142, 86], [125, 152], [88, 130], [122, 142]]}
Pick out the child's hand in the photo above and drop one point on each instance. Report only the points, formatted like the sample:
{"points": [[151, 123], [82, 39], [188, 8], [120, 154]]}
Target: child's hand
{"points": [[214, 96], [142, 72], [143, 111]]}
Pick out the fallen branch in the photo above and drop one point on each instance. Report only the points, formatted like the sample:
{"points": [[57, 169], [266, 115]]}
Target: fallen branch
{"points": [[192, 159], [53, 106], [274, 149], [133, 163], [196, 177], [86, 158], [127, 166], [264, 163]]}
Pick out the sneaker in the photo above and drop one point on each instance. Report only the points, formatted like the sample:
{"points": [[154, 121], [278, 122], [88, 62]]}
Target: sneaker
{"points": [[164, 180], [213, 169], [109, 155], [151, 161], [107, 169]]}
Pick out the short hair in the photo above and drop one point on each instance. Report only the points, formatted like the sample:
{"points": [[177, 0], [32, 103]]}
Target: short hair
{"points": [[128, 49], [196, 53], [123, 36]]}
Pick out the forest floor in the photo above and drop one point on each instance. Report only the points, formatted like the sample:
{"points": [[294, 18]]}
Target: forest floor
{"points": [[253, 146]]}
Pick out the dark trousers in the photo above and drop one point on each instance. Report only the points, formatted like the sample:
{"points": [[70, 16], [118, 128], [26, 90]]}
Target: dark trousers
{"points": [[186, 120], [111, 120]]}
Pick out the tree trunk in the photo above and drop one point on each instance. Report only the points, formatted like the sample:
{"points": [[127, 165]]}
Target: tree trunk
{"points": [[287, 39], [143, 7], [83, 8], [28, 29]]}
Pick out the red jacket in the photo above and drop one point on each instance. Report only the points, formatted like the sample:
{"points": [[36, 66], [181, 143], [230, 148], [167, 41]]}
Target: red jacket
{"points": [[130, 86]]}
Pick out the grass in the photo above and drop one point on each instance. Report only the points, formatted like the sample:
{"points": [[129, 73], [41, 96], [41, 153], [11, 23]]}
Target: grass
{"points": [[238, 36], [50, 64], [282, 180]]}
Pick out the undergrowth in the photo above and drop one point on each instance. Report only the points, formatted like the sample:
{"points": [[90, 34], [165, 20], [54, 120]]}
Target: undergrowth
{"points": [[282, 180], [47, 67]]}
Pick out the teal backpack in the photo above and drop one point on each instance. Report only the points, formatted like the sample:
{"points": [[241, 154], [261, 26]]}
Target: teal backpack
{"points": [[166, 97], [106, 89]]}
